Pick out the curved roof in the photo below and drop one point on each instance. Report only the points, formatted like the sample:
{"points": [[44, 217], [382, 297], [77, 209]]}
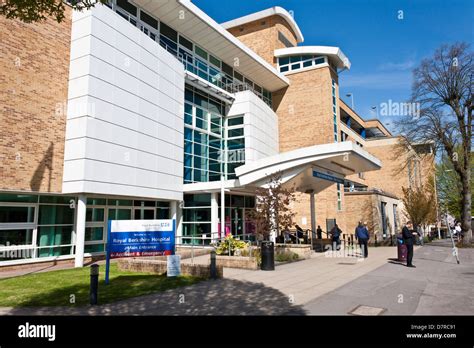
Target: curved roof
{"points": [[343, 158], [211, 36], [334, 52], [274, 11]]}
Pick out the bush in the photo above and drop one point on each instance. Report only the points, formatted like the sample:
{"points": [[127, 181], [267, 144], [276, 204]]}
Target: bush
{"points": [[285, 256], [231, 243], [255, 253]]}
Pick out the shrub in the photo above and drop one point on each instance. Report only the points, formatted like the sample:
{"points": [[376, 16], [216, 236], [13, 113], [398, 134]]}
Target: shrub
{"points": [[231, 243], [285, 256]]}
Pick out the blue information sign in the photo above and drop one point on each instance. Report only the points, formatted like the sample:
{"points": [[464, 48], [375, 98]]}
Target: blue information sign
{"points": [[131, 238], [328, 177]]}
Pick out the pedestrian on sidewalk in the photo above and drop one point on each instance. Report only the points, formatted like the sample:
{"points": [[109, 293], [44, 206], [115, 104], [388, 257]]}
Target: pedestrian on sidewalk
{"points": [[336, 236], [362, 235], [408, 237], [319, 232]]}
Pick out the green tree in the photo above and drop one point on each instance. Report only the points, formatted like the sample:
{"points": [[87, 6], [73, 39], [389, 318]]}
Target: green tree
{"points": [[30, 11], [419, 203], [443, 91], [449, 187]]}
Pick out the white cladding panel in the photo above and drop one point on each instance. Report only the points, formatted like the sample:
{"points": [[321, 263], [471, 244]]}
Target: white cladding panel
{"points": [[260, 126], [124, 133]]}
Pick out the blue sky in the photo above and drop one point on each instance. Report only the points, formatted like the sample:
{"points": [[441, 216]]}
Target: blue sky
{"points": [[383, 49]]}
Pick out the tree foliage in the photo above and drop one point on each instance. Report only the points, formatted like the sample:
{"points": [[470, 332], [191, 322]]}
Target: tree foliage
{"points": [[420, 203], [443, 90], [30, 11], [449, 187], [273, 208]]}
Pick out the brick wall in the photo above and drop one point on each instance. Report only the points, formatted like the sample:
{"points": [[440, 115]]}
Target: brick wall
{"points": [[262, 36], [34, 67]]}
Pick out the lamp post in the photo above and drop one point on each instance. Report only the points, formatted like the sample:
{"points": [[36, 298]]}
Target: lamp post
{"points": [[352, 100]]}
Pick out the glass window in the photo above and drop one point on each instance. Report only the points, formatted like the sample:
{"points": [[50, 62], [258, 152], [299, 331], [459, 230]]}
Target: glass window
{"points": [[237, 132], [238, 76], [120, 214], [169, 32], [7, 197], [94, 248], [294, 59], [96, 201], [284, 60], [249, 202], [120, 202], [144, 203], [56, 199], [94, 214], [186, 43], [55, 215], [94, 234], [235, 144], [227, 69], [152, 22], [307, 63], [197, 214], [144, 214], [16, 237], [284, 68], [214, 61], [198, 200], [235, 121], [54, 235], [124, 4], [200, 52], [162, 213], [17, 214]]}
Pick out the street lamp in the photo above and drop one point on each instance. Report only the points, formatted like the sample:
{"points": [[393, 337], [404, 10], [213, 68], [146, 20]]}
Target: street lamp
{"points": [[352, 100]]}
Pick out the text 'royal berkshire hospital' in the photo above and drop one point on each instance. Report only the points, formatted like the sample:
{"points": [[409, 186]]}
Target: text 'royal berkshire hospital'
{"points": [[150, 109]]}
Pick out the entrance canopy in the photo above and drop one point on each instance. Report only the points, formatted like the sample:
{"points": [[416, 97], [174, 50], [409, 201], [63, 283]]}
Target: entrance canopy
{"points": [[310, 169]]}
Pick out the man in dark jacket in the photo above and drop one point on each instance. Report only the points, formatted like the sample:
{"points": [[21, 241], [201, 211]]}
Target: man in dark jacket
{"points": [[362, 235], [336, 236], [408, 238]]}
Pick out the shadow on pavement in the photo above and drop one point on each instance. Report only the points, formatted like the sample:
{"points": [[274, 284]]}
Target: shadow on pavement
{"points": [[212, 297]]}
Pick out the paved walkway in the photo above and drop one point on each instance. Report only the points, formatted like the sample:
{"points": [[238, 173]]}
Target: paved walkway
{"points": [[320, 285], [438, 286], [241, 292]]}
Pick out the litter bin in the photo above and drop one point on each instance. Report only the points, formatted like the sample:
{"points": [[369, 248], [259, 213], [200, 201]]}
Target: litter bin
{"points": [[401, 250], [268, 256]]}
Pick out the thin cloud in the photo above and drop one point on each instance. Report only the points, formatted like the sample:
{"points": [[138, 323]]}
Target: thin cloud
{"points": [[378, 81], [400, 66]]}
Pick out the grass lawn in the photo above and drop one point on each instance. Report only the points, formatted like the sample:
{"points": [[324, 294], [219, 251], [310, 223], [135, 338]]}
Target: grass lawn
{"points": [[56, 287]]}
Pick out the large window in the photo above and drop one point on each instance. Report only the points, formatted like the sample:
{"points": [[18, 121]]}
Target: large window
{"points": [[194, 58], [293, 63], [196, 219], [35, 226], [235, 145], [203, 136], [339, 197], [334, 108]]}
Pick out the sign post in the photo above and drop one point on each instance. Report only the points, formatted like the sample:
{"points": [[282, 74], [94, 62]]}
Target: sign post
{"points": [[132, 238]]}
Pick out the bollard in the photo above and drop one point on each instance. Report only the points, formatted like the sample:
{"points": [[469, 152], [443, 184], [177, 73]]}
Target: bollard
{"points": [[213, 267], [94, 284]]}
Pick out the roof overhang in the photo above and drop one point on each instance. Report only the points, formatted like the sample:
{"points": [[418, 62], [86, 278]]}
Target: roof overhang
{"points": [[207, 33], [274, 11], [335, 53], [297, 167]]}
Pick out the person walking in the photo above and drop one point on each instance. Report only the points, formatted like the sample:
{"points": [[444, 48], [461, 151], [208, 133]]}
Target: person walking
{"points": [[362, 236], [408, 236], [336, 236]]}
